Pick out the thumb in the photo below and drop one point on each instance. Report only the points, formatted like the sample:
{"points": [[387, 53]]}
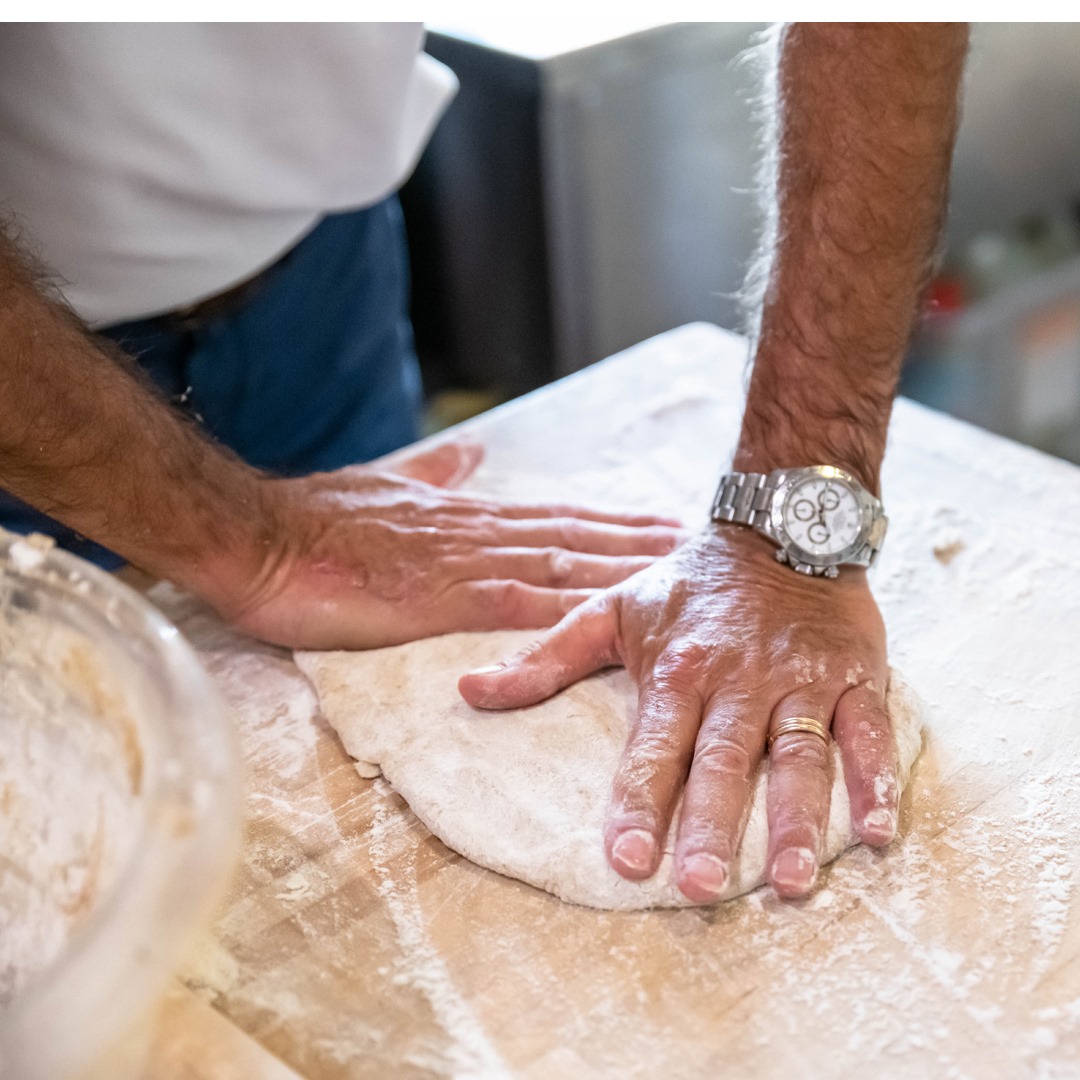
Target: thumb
{"points": [[584, 642], [446, 465]]}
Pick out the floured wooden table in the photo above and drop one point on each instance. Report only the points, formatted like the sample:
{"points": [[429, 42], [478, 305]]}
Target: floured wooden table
{"points": [[355, 945]]}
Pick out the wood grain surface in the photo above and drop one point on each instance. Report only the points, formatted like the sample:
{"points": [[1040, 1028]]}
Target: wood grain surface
{"points": [[355, 945]]}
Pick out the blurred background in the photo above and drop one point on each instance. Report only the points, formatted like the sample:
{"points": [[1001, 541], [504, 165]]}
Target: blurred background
{"points": [[592, 186]]}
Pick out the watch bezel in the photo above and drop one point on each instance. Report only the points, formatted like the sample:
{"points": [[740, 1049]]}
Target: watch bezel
{"points": [[869, 507]]}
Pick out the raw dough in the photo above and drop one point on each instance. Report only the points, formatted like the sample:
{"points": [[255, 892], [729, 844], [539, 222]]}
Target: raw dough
{"points": [[524, 792]]}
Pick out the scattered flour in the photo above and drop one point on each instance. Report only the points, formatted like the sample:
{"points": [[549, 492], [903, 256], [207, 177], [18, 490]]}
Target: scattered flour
{"points": [[1021, 878], [471, 1055]]}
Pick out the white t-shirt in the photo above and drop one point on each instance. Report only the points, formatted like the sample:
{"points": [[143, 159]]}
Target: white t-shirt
{"points": [[152, 166]]}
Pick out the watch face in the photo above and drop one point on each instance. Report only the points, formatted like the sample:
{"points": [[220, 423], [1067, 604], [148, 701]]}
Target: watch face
{"points": [[822, 515]]}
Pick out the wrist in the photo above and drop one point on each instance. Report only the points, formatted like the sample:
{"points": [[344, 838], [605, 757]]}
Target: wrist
{"points": [[231, 552], [801, 413], [766, 458]]}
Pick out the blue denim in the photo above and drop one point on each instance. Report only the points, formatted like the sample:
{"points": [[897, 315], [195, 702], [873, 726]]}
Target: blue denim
{"points": [[314, 368]]}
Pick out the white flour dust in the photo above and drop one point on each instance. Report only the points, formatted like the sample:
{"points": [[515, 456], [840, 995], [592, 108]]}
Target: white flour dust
{"points": [[470, 1055], [1027, 872], [1022, 880]]}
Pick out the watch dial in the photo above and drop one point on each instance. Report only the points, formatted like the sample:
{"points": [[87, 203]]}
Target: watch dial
{"points": [[822, 516]]}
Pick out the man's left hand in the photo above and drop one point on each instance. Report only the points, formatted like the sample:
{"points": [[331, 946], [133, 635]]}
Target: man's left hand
{"points": [[723, 643]]}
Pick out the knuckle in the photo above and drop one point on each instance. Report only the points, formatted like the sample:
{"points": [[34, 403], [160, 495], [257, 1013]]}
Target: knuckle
{"points": [[558, 564], [505, 598], [655, 743], [569, 534], [685, 659], [668, 697], [531, 653], [872, 710], [795, 666], [723, 754], [875, 722], [868, 729], [802, 749], [635, 803], [651, 753]]}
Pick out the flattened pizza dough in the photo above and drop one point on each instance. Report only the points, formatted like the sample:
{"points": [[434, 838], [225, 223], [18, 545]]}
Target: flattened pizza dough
{"points": [[524, 792]]}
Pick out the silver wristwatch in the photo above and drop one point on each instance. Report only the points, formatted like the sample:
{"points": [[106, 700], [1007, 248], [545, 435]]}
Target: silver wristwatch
{"points": [[820, 517]]}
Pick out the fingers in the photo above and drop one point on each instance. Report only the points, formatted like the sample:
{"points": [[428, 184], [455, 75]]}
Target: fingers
{"points": [[591, 537], [650, 774], [550, 567], [582, 643], [508, 605], [450, 464], [800, 785], [583, 513], [726, 758], [446, 465], [864, 735]]}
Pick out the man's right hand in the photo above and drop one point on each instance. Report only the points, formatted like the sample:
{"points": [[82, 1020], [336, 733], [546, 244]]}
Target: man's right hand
{"points": [[361, 557], [372, 556]]}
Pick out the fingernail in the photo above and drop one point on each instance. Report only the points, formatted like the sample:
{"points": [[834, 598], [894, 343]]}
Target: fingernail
{"points": [[635, 849], [707, 873], [882, 822], [491, 669], [795, 868]]}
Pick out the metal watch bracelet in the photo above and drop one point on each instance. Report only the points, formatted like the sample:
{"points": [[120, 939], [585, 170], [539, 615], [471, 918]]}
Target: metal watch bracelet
{"points": [[744, 498], [747, 499]]}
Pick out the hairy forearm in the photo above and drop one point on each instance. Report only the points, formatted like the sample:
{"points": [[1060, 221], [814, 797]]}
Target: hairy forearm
{"points": [[865, 122], [85, 439]]}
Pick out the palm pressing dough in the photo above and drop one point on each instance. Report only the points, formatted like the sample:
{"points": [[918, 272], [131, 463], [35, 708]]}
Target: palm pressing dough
{"points": [[524, 792]]}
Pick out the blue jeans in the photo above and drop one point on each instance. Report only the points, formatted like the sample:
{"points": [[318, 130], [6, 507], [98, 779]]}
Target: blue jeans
{"points": [[309, 368]]}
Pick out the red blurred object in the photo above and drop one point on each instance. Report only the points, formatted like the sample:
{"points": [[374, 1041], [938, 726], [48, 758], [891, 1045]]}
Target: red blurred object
{"points": [[945, 296]]}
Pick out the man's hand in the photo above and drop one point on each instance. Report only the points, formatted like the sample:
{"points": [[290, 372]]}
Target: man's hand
{"points": [[361, 557], [723, 642], [365, 557]]}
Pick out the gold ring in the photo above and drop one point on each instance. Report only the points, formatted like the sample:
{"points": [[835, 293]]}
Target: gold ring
{"points": [[799, 723]]}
